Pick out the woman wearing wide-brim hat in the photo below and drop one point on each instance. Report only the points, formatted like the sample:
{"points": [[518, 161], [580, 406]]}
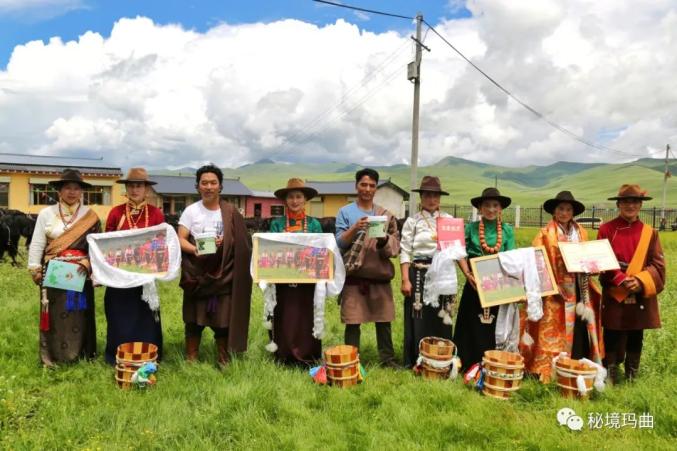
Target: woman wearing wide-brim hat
{"points": [[67, 326], [418, 245], [293, 317], [128, 316], [476, 326], [571, 320]]}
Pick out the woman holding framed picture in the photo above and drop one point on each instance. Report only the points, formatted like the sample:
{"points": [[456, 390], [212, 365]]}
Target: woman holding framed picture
{"points": [[570, 321], [293, 316], [476, 326]]}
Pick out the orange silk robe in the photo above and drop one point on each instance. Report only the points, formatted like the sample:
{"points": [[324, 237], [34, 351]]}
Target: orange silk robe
{"points": [[554, 333]]}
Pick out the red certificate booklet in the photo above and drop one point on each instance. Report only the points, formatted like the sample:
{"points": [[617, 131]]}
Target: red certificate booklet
{"points": [[449, 231]]}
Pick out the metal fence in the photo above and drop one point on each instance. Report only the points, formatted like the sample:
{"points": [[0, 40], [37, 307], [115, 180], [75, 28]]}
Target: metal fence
{"points": [[591, 218]]}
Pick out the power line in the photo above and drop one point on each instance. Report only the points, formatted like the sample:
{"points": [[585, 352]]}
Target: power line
{"points": [[390, 77], [537, 113], [326, 114], [356, 8]]}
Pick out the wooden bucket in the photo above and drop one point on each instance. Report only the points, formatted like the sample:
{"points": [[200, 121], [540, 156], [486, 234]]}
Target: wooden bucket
{"points": [[504, 372], [435, 348], [568, 371], [129, 358], [343, 365]]}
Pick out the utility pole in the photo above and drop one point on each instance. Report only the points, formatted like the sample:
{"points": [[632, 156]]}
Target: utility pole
{"points": [[665, 180], [414, 74]]}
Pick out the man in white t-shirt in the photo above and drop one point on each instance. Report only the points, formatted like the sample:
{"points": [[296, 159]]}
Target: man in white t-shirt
{"points": [[216, 286]]}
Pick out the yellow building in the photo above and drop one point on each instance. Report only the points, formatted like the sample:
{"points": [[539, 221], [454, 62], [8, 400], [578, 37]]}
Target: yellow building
{"points": [[23, 183], [334, 195]]}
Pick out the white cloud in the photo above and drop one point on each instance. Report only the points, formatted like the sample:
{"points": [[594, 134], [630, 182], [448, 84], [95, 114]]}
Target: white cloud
{"points": [[289, 90], [37, 10]]}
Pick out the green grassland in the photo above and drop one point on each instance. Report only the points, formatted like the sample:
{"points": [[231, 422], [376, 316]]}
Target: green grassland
{"points": [[592, 183], [256, 404]]}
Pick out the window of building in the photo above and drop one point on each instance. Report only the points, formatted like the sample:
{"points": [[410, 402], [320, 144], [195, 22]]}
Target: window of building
{"points": [[97, 195], [277, 210], [4, 195], [179, 205], [43, 194]]}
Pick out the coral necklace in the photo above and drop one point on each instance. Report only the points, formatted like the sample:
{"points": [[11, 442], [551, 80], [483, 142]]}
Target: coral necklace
{"points": [[133, 224], [299, 218], [499, 237]]}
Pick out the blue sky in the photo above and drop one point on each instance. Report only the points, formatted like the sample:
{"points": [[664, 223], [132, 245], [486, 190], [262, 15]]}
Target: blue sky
{"points": [[71, 18]]}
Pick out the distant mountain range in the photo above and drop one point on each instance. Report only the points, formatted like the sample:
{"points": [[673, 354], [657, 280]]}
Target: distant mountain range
{"points": [[592, 183]]}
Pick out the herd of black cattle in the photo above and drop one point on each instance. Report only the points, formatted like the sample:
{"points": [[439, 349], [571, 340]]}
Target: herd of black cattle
{"points": [[15, 224]]}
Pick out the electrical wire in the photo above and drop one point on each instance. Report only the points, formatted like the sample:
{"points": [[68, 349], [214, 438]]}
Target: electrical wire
{"points": [[535, 112], [356, 8]]}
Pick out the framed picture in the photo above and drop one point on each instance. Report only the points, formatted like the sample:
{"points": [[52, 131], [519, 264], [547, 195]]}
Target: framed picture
{"points": [[277, 261], [140, 251], [496, 287], [589, 257]]}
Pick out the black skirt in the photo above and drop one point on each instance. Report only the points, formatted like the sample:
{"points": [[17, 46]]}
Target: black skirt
{"points": [[128, 319], [473, 337], [424, 323]]}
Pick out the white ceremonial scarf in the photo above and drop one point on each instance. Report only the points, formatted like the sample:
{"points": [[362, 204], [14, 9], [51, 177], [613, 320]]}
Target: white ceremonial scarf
{"points": [[111, 276], [322, 289]]}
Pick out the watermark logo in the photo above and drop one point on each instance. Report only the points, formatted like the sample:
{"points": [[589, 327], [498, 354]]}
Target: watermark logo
{"points": [[610, 420], [567, 417]]}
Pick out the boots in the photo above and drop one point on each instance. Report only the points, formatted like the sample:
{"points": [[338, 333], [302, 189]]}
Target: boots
{"points": [[222, 356], [632, 365], [192, 348], [613, 377]]}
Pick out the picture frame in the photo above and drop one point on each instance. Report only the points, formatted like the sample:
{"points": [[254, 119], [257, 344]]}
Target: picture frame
{"points": [[144, 252], [496, 287], [590, 257], [276, 261]]}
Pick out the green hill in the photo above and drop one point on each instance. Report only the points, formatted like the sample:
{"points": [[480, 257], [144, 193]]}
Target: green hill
{"points": [[592, 183]]}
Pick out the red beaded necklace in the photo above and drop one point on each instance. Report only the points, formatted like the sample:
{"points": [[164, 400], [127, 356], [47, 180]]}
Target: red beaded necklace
{"points": [[499, 237], [133, 224]]}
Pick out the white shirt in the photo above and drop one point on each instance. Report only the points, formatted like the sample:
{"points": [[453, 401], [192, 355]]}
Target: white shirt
{"points": [[417, 236], [198, 219], [48, 227]]}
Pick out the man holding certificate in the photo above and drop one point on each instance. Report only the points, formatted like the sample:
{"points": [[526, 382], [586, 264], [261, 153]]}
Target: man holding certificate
{"points": [[629, 295], [215, 269], [367, 295]]}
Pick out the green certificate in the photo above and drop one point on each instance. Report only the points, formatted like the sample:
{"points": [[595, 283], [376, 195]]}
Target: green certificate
{"points": [[64, 276]]}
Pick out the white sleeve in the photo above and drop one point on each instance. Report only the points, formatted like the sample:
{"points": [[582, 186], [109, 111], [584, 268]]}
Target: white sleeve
{"points": [[407, 241], [186, 219], [38, 242]]}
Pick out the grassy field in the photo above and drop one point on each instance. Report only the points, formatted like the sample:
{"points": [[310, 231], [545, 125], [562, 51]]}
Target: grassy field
{"points": [[255, 404]]}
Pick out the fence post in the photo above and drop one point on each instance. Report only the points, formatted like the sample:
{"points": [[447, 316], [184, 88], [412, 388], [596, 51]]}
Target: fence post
{"points": [[592, 221], [455, 215], [540, 217], [653, 221], [517, 217]]}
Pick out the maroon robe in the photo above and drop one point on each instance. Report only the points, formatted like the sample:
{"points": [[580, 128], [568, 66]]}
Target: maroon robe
{"points": [[639, 311]]}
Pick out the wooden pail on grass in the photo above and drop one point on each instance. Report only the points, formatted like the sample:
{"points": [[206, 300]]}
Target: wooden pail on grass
{"points": [[437, 354], [129, 358], [343, 365], [568, 372], [503, 373]]}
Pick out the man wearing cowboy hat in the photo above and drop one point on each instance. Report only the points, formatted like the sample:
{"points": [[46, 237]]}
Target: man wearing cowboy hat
{"points": [[629, 296], [128, 317]]}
